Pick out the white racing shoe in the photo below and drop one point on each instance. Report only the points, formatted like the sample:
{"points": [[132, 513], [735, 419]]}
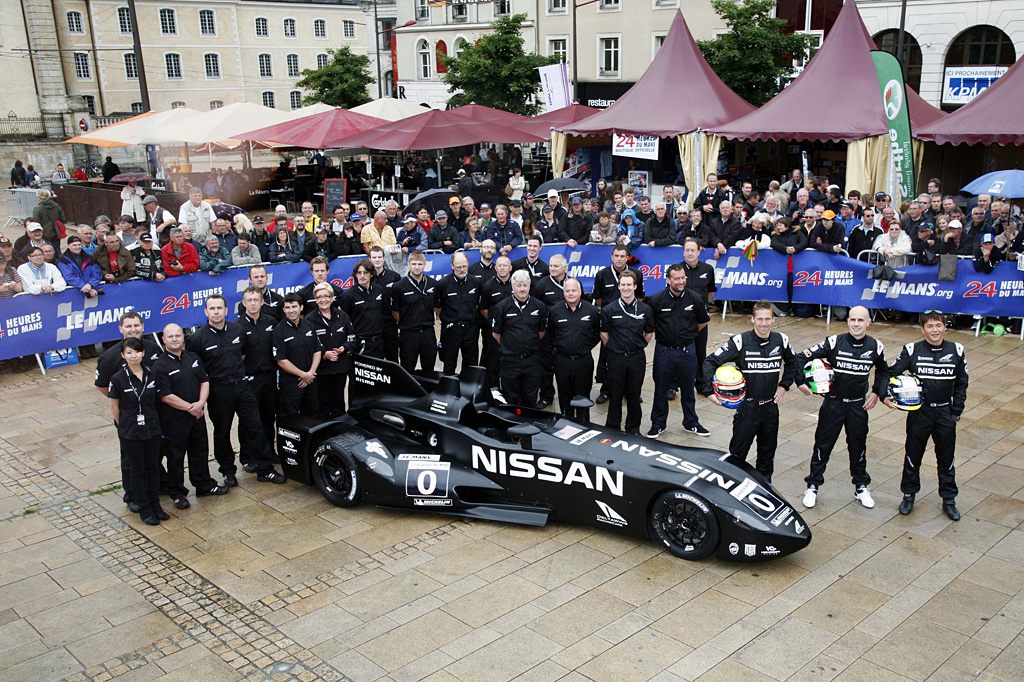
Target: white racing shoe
{"points": [[864, 495], [810, 497]]}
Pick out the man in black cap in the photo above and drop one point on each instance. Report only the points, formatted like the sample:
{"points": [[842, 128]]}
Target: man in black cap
{"points": [[442, 236], [148, 261], [518, 324], [574, 327], [14, 259], [297, 352], [412, 304], [547, 227], [578, 224], [456, 298], [320, 245]]}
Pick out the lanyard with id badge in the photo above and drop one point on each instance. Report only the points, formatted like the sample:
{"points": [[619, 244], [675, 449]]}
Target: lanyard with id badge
{"points": [[140, 419]]}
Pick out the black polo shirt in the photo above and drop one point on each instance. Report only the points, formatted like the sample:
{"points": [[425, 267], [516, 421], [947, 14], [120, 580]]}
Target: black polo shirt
{"points": [[549, 291], [700, 279], [256, 346], [676, 317], [414, 302], [334, 333], [574, 332], [297, 343], [457, 298], [626, 325], [221, 351], [135, 398], [494, 291], [182, 376], [365, 308], [482, 271], [606, 285], [273, 305], [537, 268], [386, 279], [110, 361], [519, 324]]}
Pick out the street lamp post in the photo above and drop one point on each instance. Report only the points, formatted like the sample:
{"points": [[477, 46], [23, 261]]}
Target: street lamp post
{"points": [[376, 38]]}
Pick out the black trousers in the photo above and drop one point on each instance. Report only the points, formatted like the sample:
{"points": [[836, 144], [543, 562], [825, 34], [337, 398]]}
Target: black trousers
{"points": [[418, 344], [226, 401], [601, 375], [330, 390], [491, 359], [701, 345], [834, 416], [373, 346], [547, 369], [185, 436], [144, 467], [390, 338], [292, 400], [573, 378], [624, 377], [756, 421], [456, 337], [264, 388], [126, 475], [938, 424], [520, 379]]}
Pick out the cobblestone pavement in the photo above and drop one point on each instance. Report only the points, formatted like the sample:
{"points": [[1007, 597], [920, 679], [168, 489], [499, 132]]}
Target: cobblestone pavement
{"points": [[271, 582]]}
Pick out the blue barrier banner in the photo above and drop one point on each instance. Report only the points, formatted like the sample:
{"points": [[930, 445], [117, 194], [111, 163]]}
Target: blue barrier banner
{"points": [[35, 324]]}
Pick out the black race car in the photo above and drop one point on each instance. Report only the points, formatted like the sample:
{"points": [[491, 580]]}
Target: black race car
{"points": [[447, 445]]}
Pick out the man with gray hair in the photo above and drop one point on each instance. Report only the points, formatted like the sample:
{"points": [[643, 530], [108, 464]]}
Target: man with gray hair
{"points": [[197, 214], [914, 219], [660, 231], [518, 324], [159, 219]]}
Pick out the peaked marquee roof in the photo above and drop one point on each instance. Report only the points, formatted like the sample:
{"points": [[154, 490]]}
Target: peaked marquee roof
{"points": [[702, 100], [993, 117]]}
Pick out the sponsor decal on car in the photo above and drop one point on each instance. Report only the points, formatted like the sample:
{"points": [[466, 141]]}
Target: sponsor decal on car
{"points": [[419, 458], [547, 468], [782, 516], [431, 502], [605, 441], [439, 406], [750, 550], [288, 434], [583, 438], [375, 447], [770, 550], [427, 479], [567, 432], [369, 375], [610, 516], [289, 447], [734, 548]]}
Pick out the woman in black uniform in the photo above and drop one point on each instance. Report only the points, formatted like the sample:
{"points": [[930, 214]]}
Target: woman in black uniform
{"points": [[132, 394], [334, 329]]}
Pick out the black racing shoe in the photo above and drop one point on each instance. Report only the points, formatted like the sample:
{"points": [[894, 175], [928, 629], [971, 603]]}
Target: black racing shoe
{"points": [[181, 502], [271, 477], [230, 481], [907, 505], [215, 490], [655, 431], [949, 506], [249, 468], [602, 398], [134, 507]]}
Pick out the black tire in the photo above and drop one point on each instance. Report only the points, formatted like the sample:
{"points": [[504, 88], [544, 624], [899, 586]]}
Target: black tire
{"points": [[685, 524], [336, 472]]}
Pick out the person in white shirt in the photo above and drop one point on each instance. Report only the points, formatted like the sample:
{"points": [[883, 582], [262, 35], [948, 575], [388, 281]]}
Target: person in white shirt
{"points": [[131, 201], [894, 245], [197, 214], [40, 277]]}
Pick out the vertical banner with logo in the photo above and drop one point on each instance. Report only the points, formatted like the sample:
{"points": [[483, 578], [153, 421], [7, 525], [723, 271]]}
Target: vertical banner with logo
{"points": [[897, 115], [554, 86]]}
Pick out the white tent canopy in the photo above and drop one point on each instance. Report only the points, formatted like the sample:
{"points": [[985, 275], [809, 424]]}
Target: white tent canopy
{"points": [[390, 109], [220, 124], [143, 129], [317, 108]]}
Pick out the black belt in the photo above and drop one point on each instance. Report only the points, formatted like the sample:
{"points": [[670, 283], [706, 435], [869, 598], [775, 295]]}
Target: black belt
{"points": [[937, 404], [845, 400], [686, 345], [759, 402], [629, 354], [374, 337], [225, 383], [575, 357], [520, 356], [417, 329], [464, 324]]}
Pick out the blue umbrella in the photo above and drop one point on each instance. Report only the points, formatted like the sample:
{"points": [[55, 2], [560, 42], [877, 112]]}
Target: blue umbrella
{"points": [[1004, 183]]}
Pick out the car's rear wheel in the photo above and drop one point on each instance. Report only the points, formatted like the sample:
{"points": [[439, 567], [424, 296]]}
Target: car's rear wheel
{"points": [[685, 524], [336, 473]]}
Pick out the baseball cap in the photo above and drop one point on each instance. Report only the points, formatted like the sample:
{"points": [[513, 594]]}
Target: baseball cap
{"points": [[924, 227], [33, 227], [548, 209], [461, 171], [441, 214], [955, 225], [833, 187], [146, 237], [321, 228], [879, 196], [846, 204], [484, 205], [4, 241], [257, 219], [527, 195], [100, 219], [576, 201], [552, 193], [515, 202], [355, 216], [829, 215], [74, 238], [454, 200], [987, 238], [409, 218], [149, 199]]}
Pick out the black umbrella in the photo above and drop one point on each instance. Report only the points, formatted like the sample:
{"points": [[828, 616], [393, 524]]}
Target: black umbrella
{"points": [[433, 200], [226, 211], [561, 185], [125, 177]]}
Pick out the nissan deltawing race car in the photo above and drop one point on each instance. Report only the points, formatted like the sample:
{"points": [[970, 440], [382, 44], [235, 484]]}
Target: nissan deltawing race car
{"points": [[447, 445]]}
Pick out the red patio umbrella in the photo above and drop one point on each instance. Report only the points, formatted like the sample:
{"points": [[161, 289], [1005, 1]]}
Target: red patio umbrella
{"points": [[438, 129], [316, 131], [542, 124]]}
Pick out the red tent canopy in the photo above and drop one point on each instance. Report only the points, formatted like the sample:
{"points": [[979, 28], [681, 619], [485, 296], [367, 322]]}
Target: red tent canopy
{"points": [[438, 129], [678, 94], [314, 132], [835, 98], [993, 117], [560, 118]]}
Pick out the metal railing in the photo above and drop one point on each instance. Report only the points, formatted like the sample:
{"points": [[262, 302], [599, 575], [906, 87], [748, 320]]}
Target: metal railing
{"points": [[104, 121], [13, 127]]}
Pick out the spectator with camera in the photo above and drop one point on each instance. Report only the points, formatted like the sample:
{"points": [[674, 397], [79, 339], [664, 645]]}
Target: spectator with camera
{"points": [[116, 263], [179, 256]]}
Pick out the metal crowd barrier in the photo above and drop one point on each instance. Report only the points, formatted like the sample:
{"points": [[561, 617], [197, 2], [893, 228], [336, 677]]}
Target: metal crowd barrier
{"points": [[19, 202]]}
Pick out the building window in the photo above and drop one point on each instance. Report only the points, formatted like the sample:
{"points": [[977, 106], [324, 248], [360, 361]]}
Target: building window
{"points": [[124, 21], [558, 47], [90, 104], [173, 63], [207, 22], [423, 49], [177, 105], [82, 70], [268, 99], [216, 104], [460, 12], [888, 40], [131, 67], [557, 6], [289, 28], [385, 33], [75, 22], [136, 107], [266, 71], [502, 7], [608, 56], [321, 60], [262, 27], [610, 5], [293, 65], [168, 22], [422, 9], [350, 28], [981, 46], [212, 63], [459, 46], [658, 42], [319, 28], [295, 99], [441, 49]]}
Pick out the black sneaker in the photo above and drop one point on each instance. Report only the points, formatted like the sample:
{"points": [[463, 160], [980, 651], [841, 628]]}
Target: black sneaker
{"points": [[249, 468], [655, 432], [671, 394], [907, 505], [151, 520], [697, 430], [181, 502], [161, 514], [271, 477], [134, 507], [230, 481], [602, 398], [215, 490], [949, 506]]}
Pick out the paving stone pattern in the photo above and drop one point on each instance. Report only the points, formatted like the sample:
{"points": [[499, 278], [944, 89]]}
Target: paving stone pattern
{"points": [[272, 583]]}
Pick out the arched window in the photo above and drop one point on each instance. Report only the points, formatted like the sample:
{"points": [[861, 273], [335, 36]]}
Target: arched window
{"points": [[295, 99], [177, 105], [211, 61], [262, 27], [207, 22], [888, 40], [124, 21], [168, 22], [293, 65], [423, 52], [349, 29], [266, 70], [216, 104], [268, 99], [319, 28], [75, 22], [981, 46], [289, 28], [322, 60], [172, 61], [442, 51]]}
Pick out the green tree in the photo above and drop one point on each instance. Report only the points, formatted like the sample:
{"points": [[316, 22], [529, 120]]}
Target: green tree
{"points": [[495, 71], [754, 57], [341, 82]]}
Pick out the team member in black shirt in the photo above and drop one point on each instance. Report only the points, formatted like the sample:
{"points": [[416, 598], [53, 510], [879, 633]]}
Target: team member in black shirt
{"points": [[483, 269], [942, 368], [548, 290], [492, 292], [385, 279], [531, 262], [334, 330], [761, 355], [183, 389], [518, 324], [851, 356], [574, 327], [700, 279], [132, 392], [364, 304], [679, 316], [258, 320], [273, 300], [456, 298], [606, 290], [627, 325], [319, 268], [297, 352], [218, 344], [412, 304]]}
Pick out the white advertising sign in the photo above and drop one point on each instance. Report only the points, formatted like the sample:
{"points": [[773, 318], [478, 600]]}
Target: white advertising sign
{"points": [[963, 83], [554, 86], [636, 146]]}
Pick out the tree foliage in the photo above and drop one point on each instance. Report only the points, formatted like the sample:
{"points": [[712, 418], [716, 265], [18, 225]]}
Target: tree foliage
{"points": [[341, 82], [753, 58], [496, 71]]}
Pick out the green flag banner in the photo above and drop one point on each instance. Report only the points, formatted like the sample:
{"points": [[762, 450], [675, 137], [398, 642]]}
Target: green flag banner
{"points": [[897, 115]]}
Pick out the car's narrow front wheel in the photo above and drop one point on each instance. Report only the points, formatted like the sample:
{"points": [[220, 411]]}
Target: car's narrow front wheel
{"points": [[336, 473], [685, 524]]}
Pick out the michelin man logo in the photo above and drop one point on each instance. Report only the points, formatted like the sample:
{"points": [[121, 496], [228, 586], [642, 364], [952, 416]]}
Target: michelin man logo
{"points": [[375, 448]]}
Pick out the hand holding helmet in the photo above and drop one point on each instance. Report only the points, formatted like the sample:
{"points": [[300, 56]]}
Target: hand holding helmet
{"points": [[904, 393], [818, 377], [729, 387]]}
